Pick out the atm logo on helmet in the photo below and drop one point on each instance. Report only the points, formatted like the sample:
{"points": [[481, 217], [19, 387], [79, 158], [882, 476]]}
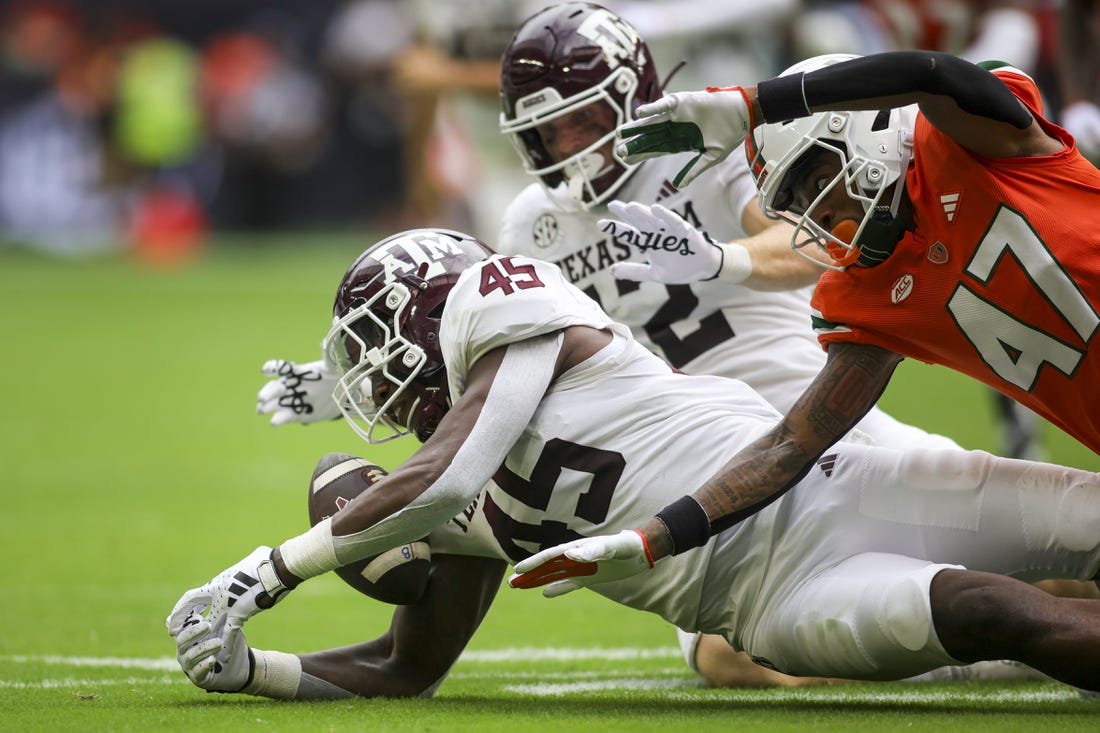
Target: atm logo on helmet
{"points": [[617, 39], [407, 255]]}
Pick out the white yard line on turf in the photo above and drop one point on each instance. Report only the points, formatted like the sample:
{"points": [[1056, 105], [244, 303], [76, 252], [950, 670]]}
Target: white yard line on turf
{"points": [[530, 654]]}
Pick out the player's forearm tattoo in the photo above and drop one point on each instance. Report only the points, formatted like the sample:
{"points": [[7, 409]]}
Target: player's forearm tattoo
{"points": [[843, 392]]}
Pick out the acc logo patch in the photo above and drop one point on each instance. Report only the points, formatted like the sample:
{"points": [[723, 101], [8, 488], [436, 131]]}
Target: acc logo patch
{"points": [[903, 288], [937, 253], [545, 231]]}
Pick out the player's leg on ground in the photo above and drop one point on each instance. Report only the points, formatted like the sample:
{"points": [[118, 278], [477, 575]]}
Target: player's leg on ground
{"points": [[720, 665], [981, 616]]}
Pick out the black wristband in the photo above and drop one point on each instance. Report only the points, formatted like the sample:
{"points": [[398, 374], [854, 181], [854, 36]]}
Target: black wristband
{"points": [[687, 524], [782, 98]]}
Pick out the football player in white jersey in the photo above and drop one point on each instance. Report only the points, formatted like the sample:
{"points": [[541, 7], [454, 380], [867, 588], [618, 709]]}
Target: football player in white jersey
{"points": [[571, 74], [879, 564]]}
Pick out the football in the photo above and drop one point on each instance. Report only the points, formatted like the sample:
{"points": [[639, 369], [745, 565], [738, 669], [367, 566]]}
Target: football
{"points": [[398, 576]]}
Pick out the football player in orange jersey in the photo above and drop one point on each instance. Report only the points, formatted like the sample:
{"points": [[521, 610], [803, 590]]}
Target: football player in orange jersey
{"points": [[961, 229]]}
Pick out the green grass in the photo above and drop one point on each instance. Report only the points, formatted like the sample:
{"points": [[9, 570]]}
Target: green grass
{"points": [[134, 467]]}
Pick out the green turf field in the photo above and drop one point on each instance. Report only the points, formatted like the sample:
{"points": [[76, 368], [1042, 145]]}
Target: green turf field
{"points": [[134, 467]]}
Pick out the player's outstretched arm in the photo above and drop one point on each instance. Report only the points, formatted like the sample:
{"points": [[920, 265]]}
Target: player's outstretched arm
{"points": [[848, 386], [964, 100], [435, 484], [424, 639], [410, 659]]}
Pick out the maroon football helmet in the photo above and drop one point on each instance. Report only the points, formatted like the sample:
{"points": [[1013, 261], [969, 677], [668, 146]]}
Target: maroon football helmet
{"points": [[386, 327], [561, 59]]}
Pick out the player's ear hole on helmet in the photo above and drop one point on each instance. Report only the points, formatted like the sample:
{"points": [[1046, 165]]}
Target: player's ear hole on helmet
{"points": [[435, 314]]}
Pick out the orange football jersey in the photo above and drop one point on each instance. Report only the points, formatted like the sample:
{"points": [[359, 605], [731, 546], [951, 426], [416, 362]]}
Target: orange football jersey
{"points": [[1000, 279]]}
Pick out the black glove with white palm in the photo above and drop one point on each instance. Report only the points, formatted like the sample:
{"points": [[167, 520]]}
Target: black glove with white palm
{"points": [[300, 393], [676, 252]]}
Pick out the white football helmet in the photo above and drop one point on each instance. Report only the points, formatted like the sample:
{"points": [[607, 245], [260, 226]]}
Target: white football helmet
{"points": [[874, 148]]}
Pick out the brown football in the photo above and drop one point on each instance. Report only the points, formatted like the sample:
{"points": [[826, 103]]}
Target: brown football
{"points": [[398, 576]]}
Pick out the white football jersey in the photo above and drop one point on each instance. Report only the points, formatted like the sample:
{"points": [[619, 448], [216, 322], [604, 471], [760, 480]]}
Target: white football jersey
{"points": [[702, 328], [831, 578], [595, 459], [763, 338]]}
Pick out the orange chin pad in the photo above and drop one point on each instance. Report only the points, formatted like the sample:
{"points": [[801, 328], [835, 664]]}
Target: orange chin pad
{"points": [[845, 230]]}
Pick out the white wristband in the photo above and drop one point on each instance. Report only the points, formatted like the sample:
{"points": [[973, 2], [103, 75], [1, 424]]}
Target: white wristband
{"points": [[276, 675], [736, 263], [311, 553]]}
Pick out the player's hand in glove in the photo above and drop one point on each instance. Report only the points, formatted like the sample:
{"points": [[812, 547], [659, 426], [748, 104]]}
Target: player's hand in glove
{"points": [[234, 595], [298, 392], [581, 563], [712, 123], [676, 252], [215, 660]]}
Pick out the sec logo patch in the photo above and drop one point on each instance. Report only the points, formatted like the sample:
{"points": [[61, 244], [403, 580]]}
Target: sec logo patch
{"points": [[545, 231]]}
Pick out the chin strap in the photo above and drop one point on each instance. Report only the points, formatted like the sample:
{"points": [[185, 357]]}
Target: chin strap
{"points": [[880, 236], [884, 230]]}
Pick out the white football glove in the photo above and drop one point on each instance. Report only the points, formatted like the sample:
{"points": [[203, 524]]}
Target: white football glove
{"points": [[581, 563], [712, 123], [299, 393], [676, 252], [216, 661], [1082, 120], [234, 595]]}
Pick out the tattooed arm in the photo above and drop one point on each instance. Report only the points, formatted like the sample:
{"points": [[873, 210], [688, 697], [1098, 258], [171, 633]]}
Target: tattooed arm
{"points": [[846, 388], [852, 380]]}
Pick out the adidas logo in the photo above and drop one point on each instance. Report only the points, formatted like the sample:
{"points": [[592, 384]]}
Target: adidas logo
{"points": [[950, 202], [242, 583], [826, 463]]}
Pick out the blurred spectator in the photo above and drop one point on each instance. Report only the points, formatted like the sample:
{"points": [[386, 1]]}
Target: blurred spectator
{"points": [[356, 54], [978, 30], [462, 173], [139, 122], [1079, 73], [735, 39], [51, 168]]}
